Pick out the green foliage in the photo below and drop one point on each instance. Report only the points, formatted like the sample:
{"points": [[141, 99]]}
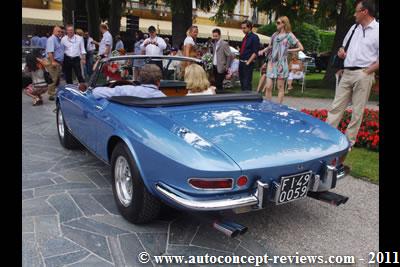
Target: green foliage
{"points": [[267, 29], [309, 36], [327, 39]]}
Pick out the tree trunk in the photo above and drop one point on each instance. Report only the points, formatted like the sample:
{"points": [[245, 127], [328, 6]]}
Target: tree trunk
{"points": [[343, 23], [181, 20], [67, 7], [93, 15], [115, 17]]}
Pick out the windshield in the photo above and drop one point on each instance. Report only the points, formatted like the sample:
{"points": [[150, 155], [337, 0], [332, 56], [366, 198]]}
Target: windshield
{"points": [[127, 70]]}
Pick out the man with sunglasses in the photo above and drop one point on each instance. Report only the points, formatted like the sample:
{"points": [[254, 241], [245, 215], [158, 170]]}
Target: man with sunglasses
{"points": [[248, 55], [361, 60]]}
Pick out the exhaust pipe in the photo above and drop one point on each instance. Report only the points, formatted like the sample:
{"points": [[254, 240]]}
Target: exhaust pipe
{"points": [[230, 229], [329, 197]]}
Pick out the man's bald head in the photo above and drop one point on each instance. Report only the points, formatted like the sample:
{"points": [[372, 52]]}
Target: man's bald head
{"points": [[57, 31]]}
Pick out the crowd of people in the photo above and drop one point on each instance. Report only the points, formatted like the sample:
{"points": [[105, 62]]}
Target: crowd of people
{"points": [[70, 50]]}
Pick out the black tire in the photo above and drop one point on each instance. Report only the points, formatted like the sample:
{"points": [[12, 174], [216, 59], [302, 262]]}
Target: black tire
{"points": [[143, 207], [67, 140]]}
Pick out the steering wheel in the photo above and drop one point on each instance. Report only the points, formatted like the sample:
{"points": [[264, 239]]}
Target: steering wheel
{"points": [[112, 84]]}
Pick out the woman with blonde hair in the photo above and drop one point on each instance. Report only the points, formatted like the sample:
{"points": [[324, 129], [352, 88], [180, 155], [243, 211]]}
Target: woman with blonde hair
{"points": [[197, 82], [189, 45], [282, 42]]}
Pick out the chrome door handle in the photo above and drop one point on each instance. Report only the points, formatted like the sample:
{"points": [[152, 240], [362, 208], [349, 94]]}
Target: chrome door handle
{"points": [[99, 107]]}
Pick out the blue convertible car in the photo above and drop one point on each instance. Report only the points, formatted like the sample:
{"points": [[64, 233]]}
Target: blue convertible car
{"points": [[219, 152]]}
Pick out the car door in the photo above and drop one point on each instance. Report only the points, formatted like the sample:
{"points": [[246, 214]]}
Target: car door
{"points": [[94, 119], [72, 106]]}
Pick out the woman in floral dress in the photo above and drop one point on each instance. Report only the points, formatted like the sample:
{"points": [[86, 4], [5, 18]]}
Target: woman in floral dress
{"points": [[282, 42]]}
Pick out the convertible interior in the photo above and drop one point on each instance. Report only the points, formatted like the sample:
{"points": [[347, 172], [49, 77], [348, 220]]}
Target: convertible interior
{"points": [[124, 72]]}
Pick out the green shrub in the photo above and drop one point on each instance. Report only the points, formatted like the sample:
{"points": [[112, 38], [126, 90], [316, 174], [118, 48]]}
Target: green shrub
{"points": [[308, 35], [327, 39], [267, 29]]}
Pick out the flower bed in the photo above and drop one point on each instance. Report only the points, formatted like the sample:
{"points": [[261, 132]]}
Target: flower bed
{"points": [[368, 135]]}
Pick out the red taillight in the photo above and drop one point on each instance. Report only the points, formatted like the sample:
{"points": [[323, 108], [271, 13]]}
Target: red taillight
{"points": [[242, 180], [210, 183]]}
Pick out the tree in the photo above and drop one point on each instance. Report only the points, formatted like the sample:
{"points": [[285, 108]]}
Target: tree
{"points": [[344, 20], [93, 18], [67, 7], [96, 10], [181, 20]]}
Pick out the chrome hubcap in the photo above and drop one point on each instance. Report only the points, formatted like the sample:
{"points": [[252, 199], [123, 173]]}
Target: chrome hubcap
{"points": [[60, 124], [123, 181]]}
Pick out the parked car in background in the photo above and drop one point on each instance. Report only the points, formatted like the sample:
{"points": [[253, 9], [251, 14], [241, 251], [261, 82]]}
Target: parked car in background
{"points": [[308, 61]]}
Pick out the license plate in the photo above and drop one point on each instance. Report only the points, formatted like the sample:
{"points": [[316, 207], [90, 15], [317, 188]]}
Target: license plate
{"points": [[293, 187]]}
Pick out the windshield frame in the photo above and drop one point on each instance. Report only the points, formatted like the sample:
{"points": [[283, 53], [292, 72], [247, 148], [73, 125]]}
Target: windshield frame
{"points": [[94, 77]]}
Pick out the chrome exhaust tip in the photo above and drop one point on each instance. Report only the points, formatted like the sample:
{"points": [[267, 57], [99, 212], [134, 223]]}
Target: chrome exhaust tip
{"points": [[229, 228], [328, 197]]}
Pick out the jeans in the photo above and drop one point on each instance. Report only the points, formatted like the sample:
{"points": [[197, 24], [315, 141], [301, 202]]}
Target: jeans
{"points": [[72, 63], [89, 65], [246, 76]]}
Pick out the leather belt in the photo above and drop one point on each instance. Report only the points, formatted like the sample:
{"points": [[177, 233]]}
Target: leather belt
{"points": [[354, 68]]}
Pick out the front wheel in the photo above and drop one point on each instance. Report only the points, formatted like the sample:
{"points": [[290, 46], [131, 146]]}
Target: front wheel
{"points": [[67, 140], [133, 200]]}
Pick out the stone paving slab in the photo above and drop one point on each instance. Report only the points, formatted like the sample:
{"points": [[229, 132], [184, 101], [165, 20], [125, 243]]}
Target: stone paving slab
{"points": [[69, 215]]}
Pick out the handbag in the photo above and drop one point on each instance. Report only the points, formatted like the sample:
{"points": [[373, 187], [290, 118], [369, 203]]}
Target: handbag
{"points": [[47, 77], [338, 63]]}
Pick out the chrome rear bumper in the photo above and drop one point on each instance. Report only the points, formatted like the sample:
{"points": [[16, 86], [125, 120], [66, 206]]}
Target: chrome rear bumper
{"points": [[257, 200]]}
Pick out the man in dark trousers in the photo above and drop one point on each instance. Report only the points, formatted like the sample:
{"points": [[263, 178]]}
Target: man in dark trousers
{"points": [[248, 55], [74, 55], [222, 58]]}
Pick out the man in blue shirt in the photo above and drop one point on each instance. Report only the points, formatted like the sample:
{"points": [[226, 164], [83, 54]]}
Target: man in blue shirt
{"points": [[43, 41], [55, 57], [35, 40], [248, 55], [149, 77], [119, 44]]}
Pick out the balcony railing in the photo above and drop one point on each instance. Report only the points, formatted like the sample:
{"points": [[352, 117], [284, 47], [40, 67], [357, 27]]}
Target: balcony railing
{"points": [[132, 5]]}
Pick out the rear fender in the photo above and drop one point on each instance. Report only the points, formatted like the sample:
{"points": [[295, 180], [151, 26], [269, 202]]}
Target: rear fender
{"points": [[128, 143]]}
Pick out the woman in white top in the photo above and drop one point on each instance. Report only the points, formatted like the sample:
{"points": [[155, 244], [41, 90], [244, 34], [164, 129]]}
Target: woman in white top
{"points": [[189, 45], [197, 82], [296, 70]]}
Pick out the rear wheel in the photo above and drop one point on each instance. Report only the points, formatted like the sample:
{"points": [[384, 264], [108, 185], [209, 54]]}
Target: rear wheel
{"points": [[133, 200], [67, 140]]}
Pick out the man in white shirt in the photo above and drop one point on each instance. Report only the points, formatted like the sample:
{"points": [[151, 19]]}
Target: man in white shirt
{"points": [[153, 45], [106, 42], [74, 54], [361, 60]]}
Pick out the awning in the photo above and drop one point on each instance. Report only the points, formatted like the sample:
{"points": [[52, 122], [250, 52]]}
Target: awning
{"points": [[46, 17], [52, 17]]}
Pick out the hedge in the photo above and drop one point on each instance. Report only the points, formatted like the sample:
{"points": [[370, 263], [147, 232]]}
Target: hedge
{"points": [[312, 38], [327, 39]]}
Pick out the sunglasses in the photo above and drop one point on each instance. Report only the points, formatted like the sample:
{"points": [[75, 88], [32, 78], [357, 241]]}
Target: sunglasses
{"points": [[279, 22]]}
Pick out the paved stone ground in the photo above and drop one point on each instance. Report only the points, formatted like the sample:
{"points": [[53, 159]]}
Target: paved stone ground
{"points": [[69, 217]]}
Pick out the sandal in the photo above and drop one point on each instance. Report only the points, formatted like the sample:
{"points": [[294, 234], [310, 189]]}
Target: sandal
{"points": [[37, 102]]}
